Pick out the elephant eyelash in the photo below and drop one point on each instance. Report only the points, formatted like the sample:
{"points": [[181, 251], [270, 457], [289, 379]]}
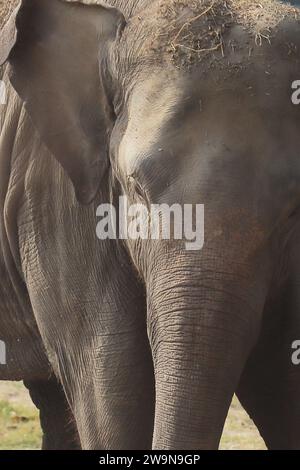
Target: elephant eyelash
{"points": [[136, 187]]}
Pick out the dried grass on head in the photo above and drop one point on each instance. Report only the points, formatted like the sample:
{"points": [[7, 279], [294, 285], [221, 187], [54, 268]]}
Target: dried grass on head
{"points": [[188, 31]]}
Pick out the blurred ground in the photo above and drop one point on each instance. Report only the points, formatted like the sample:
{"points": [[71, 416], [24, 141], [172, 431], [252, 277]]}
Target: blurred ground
{"points": [[240, 433], [19, 424]]}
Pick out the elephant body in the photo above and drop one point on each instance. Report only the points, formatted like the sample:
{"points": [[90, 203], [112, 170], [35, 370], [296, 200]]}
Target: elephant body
{"points": [[34, 222], [167, 101], [43, 227]]}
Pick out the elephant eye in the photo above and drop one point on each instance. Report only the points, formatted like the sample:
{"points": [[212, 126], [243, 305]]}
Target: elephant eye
{"points": [[135, 187]]}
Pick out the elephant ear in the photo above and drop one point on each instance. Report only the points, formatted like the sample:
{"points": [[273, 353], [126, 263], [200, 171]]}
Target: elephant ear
{"points": [[54, 48]]}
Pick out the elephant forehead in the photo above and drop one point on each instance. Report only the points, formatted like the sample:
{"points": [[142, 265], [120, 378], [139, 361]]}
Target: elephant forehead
{"points": [[151, 107], [187, 32]]}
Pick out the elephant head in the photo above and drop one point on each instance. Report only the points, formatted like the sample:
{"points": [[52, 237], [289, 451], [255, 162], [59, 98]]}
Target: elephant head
{"points": [[186, 103]]}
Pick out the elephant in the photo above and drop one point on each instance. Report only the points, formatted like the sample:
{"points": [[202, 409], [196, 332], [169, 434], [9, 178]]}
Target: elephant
{"points": [[162, 102], [38, 282]]}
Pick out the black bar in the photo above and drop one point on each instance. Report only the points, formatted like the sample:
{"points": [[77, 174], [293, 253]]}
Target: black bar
{"points": [[134, 459]]}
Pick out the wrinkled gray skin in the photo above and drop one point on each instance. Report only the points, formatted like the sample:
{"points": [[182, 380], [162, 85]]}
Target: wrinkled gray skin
{"points": [[26, 355], [219, 320], [58, 266]]}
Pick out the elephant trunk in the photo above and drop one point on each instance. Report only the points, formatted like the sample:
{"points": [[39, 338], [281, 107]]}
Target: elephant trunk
{"points": [[203, 319]]}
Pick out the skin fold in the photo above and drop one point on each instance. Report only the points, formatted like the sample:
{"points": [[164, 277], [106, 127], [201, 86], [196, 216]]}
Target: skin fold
{"points": [[136, 110]]}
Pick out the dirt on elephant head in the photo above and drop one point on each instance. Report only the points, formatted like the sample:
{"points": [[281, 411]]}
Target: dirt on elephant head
{"points": [[188, 31]]}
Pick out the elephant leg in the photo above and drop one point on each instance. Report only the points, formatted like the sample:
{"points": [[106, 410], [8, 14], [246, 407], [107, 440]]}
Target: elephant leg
{"points": [[98, 348], [270, 385], [57, 422], [112, 397], [103, 360]]}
